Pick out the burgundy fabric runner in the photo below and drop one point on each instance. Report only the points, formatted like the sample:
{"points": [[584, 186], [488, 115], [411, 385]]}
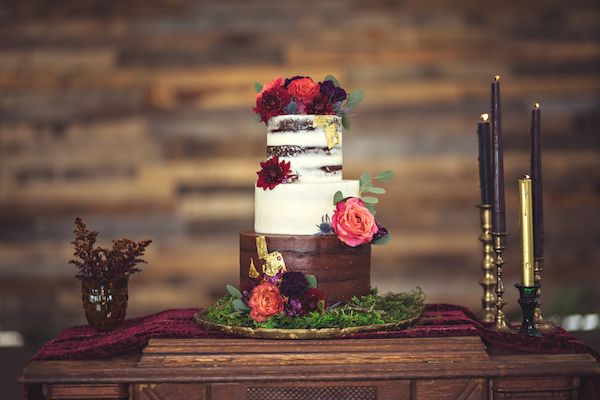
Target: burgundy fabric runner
{"points": [[438, 320]]}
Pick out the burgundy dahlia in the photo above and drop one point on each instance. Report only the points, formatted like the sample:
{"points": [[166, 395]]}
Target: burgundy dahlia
{"points": [[273, 172], [272, 102], [320, 105], [311, 299], [293, 284], [332, 92]]}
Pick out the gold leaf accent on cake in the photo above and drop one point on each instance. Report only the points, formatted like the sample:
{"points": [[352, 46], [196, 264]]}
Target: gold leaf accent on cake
{"points": [[261, 247], [253, 272], [274, 264], [328, 124]]}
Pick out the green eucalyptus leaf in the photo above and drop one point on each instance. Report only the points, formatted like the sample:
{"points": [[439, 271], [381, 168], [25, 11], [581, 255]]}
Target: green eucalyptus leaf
{"points": [[239, 305], [354, 98], [370, 199], [365, 181], [258, 87], [312, 281], [376, 190], [346, 122], [385, 176], [337, 197], [331, 78], [383, 240], [234, 292], [257, 118]]}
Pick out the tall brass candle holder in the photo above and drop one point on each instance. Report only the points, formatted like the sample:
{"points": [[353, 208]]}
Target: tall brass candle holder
{"points": [[500, 320], [488, 281], [540, 324]]}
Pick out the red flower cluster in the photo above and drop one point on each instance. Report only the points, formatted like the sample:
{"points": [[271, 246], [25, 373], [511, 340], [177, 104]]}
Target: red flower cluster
{"points": [[286, 293], [273, 172], [298, 95]]}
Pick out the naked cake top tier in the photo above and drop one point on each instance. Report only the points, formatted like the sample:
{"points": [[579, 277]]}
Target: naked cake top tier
{"points": [[312, 143]]}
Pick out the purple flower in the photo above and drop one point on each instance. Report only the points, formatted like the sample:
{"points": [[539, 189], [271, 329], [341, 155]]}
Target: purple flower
{"points": [[381, 231], [332, 92], [293, 284], [273, 279], [293, 308]]}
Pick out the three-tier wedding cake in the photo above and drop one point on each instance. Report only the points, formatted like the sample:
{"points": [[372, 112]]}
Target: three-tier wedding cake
{"points": [[297, 224]]}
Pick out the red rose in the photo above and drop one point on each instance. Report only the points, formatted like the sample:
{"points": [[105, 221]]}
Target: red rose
{"points": [[275, 83], [353, 222], [272, 100], [303, 90], [265, 302]]}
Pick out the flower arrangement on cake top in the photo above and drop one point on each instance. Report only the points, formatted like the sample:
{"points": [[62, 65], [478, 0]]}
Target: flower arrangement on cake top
{"points": [[301, 95]]}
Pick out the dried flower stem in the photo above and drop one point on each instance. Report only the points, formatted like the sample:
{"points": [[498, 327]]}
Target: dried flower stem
{"points": [[101, 264]]}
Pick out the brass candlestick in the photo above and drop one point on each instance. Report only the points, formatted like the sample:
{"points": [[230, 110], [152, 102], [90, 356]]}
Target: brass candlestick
{"points": [[500, 320], [488, 282], [540, 324]]}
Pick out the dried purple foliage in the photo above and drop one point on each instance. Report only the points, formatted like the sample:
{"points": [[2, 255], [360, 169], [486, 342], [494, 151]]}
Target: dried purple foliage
{"points": [[105, 265]]}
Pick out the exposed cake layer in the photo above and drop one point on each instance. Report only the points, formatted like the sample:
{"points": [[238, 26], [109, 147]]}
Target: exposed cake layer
{"points": [[341, 271], [312, 143], [297, 208]]}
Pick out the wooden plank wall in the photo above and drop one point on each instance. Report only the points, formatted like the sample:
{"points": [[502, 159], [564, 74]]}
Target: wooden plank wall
{"points": [[136, 116]]}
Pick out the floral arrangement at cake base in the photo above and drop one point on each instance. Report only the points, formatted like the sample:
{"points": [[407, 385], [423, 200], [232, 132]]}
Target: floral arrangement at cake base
{"points": [[264, 312]]}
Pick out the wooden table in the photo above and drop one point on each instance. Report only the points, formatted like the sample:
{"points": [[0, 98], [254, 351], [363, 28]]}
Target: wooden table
{"points": [[356, 369]]}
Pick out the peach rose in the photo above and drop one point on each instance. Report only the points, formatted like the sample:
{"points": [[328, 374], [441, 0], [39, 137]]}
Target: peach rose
{"points": [[303, 89], [265, 302], [353, 222]]}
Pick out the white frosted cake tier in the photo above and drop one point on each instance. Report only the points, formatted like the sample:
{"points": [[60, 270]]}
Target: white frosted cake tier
{"points": [[297, 208], [302, 140]]}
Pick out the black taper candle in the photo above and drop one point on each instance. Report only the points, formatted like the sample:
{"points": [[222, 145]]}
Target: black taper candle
{"points": [[485, 159], [498, 207], [536, 181]]}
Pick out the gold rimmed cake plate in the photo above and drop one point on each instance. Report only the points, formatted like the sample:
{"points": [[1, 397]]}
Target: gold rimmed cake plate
{"points": [[301, 334]]}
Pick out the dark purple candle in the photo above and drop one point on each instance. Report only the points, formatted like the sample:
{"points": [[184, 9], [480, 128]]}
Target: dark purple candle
{"points": [[498, 209], [536, 178], [485, 159]]}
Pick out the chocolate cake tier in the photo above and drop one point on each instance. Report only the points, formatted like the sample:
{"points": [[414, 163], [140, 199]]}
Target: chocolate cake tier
{"points": [[341, 271]]}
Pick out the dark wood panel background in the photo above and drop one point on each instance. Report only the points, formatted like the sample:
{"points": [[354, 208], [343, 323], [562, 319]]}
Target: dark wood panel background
{"points": [[136, 116]]}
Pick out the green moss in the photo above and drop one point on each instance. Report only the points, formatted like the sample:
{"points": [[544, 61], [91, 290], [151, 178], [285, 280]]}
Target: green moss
{"points": [[365, 310]]}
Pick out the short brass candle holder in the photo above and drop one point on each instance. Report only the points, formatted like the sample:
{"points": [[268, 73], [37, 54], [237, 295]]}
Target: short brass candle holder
{"points": [[528, 301], [500, 320], [541, 325], [488, 281]]}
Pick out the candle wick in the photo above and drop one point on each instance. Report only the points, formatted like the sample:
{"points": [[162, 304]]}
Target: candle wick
{"points": [[537, 106], [497, 78]]}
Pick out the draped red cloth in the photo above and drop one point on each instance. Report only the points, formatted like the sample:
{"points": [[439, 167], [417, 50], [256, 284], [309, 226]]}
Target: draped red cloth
{"points": [[438, 320]]}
